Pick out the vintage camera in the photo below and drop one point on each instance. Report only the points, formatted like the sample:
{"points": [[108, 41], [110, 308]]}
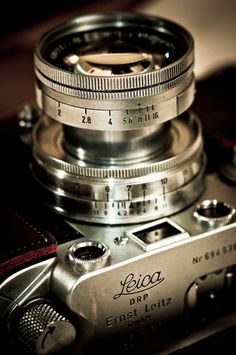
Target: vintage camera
{"points": [[116, 238]]}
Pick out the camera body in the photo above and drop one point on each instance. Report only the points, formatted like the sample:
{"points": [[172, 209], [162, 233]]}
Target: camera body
{"points": [[148, 295], [75, 286]]}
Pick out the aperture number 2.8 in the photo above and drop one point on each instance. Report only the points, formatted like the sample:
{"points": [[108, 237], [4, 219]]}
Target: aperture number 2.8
{"points": [[86, 119]]}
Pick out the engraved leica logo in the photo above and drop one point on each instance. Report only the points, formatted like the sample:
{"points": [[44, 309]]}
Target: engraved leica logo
{"points": [[131, 284]]}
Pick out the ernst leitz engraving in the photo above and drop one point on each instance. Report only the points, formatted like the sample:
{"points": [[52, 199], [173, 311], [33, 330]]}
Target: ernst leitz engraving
{"points": [[143, 250]]}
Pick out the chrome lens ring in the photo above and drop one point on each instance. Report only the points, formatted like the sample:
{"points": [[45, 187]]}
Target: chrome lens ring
{"points": [[106, 149], [108, 45], [121, 194]]}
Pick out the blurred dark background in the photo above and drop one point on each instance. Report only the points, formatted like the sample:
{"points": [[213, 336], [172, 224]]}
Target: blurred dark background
{"points": [[22, 25], [25, 13]]}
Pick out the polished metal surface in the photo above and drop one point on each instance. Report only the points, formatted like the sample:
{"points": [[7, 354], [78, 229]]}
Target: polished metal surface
{"points": [[117, 143], [139, 286], [88, 255], [95, 33], [146, 285], [110, 156], [43, 330], [214, 213], [96, 71], [121, 194]]}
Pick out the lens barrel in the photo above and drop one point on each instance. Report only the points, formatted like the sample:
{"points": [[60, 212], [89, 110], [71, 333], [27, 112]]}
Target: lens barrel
{"points": [[116, 142], [115, 48]]}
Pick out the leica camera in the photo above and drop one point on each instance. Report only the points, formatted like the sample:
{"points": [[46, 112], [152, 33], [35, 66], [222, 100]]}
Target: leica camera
{"points": [[117, 238]]}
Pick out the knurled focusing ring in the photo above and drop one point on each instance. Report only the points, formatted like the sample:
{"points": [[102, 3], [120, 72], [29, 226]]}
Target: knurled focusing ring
{"points": [[96, 70]]}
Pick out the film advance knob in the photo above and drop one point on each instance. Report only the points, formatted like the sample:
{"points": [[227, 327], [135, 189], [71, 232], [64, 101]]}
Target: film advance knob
{"points": [[43, 330]]}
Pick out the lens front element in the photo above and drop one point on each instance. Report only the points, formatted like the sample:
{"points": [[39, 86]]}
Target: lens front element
{"points": [[127, 66]]}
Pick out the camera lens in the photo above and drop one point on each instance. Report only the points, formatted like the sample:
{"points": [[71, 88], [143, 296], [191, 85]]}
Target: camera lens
{"points": [[116, 143]]}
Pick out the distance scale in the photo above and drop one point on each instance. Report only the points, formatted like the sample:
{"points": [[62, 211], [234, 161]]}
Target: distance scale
{"points": [[118, 193]]}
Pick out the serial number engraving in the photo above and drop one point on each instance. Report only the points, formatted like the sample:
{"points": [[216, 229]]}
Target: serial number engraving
{"points": [[214, 253]]}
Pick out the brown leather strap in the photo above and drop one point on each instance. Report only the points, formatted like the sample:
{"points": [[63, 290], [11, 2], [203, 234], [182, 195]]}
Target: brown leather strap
{"points": [[29, 231], [22, 242]]}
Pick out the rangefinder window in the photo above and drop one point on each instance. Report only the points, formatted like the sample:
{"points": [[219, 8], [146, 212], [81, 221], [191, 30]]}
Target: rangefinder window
{"points": [[157, 234], [154, 234]]}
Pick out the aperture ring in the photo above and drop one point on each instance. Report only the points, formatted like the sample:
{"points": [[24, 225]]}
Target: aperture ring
{"points": [[110, 116]]}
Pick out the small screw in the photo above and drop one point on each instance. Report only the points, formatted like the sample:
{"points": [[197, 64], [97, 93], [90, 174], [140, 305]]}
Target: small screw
{"points": [[122, 240]]}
